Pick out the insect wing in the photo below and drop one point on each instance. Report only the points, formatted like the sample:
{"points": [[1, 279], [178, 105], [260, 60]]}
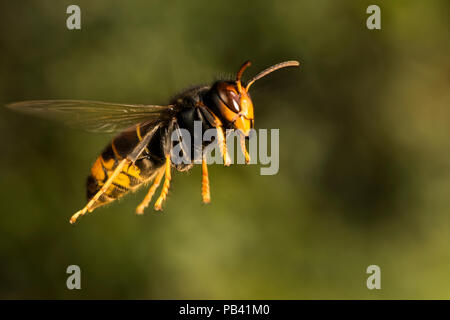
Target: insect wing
{"points": [[93, 116]]}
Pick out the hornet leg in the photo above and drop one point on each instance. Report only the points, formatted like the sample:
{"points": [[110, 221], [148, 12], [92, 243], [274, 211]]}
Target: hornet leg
{"points": [[244, 149], [104, 188], [206, 197], [223, 146], [166, 185], [131, 158], [144, 204]]}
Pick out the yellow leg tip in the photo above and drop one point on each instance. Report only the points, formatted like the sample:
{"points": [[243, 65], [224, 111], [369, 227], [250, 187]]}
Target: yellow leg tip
{"points": [[74, 218], [159, 203], [78, 214], [206, 200]]}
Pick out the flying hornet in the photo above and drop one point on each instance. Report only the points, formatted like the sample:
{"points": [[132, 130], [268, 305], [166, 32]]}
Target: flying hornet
{"points": [[141, 152]]}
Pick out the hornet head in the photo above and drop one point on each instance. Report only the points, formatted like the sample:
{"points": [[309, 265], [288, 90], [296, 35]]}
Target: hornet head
{"points": [[231, 101]]}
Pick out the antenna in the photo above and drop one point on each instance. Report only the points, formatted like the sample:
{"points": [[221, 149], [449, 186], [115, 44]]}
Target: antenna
{"points": [[265, 72], [240, 72]]}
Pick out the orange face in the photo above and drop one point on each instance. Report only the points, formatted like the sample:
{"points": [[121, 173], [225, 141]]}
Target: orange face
{"points": [[235, 106], [231, 101]]}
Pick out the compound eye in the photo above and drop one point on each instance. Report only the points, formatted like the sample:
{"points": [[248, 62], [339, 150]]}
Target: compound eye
{"points": [[231, 99]]}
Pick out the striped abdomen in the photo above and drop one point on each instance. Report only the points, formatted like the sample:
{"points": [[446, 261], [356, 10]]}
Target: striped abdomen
{"points": [[132, 176]]}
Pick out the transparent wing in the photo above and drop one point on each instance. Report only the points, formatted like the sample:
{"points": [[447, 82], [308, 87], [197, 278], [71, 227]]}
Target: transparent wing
{"points": [[94, 116]]}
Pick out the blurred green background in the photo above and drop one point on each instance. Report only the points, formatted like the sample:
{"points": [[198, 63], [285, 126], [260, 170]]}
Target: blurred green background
{"points": [[364, 151]]}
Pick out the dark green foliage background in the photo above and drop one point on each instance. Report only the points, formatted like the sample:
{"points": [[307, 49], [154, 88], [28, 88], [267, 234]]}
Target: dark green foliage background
{"points": [[364, 151]]}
